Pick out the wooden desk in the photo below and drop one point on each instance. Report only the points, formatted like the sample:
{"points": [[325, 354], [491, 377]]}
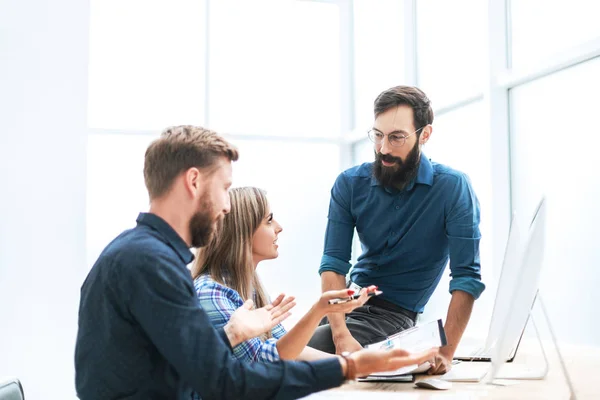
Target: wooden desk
{"points": [[583, 364]]}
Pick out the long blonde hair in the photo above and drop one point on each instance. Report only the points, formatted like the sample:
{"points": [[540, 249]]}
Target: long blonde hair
{"points": [[228, 256]]}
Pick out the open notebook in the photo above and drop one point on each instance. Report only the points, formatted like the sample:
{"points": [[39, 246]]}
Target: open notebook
{"points": [[413, 340]]}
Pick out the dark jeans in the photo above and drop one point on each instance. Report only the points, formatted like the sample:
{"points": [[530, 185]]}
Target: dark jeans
{"points": [[371, 323]]}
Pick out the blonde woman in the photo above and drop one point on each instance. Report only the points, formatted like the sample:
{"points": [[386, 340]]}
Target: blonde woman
{"points": [[225, 279]]}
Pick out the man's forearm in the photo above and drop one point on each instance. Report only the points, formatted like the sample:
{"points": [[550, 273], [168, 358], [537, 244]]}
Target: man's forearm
{"points": [[459, 313], [333, 281]]}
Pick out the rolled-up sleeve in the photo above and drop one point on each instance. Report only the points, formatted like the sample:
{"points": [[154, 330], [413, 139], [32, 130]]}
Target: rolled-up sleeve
{"points": [[340, 229], [462, 230]]}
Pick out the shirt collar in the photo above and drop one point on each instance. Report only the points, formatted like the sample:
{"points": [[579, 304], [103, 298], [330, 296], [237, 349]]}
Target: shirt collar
{"points": [[168, 233], [424, 175]]}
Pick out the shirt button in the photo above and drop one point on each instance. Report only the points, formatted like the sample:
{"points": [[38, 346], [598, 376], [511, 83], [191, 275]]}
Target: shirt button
{"points": [[397, 207], [393, 233]]}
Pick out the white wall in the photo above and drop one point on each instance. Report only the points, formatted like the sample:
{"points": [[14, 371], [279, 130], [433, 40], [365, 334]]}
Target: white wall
{"points": [[43, 81]]}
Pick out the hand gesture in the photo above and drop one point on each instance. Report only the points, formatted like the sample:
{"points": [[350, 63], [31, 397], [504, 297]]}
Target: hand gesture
{"points": [[246, 322]]}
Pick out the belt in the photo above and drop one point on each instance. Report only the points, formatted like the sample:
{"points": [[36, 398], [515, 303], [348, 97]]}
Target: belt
{"points": [[377, 302]]}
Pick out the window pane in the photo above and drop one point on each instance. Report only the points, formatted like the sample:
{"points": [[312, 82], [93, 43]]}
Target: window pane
{"points": [[461, 140], [115, 187], [275, 67], [554, 152], [450, 49], [557, 26], [378, 54], [146, 66], [298, 192], [363, 151]]}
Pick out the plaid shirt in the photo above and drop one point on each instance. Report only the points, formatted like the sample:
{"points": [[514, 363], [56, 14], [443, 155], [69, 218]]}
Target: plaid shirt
{"points": [[220, 302]]}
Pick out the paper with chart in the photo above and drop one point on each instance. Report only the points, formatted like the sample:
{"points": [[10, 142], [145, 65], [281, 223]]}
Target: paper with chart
{"points": [[414, 340]]}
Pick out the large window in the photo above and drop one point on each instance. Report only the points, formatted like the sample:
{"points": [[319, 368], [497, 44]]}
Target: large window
{"points": [[264, 73], [292, 83], [554, 153]]}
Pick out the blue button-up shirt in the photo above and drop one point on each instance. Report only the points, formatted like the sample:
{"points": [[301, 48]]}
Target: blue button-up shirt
{"points": [[142, 334], [406, 236]]}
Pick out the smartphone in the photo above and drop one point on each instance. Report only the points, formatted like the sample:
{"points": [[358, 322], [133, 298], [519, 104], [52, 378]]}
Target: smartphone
{"points": [[353, 297]]}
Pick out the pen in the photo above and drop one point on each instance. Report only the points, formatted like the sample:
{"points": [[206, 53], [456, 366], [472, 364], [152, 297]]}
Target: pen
{"points": [[353, 297]]}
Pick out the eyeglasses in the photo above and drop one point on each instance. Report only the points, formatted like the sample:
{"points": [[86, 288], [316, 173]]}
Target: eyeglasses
{"points": [[395, 139]]}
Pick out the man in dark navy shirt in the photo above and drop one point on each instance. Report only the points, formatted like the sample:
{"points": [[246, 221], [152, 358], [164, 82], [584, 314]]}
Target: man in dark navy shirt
{"points": [[412, 216], [141, 332]]}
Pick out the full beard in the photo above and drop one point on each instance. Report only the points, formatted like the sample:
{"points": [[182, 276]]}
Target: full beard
{"points": [[401, 173], [202, 225]]}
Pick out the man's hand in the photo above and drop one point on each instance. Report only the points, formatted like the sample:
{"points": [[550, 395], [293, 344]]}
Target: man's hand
{"points": [[246, 322], [346, 343], [441, 364], [371, 361]]}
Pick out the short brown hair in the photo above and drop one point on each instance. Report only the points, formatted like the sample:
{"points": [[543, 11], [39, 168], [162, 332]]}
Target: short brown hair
{"points": [[409, 96], [178, 149]]}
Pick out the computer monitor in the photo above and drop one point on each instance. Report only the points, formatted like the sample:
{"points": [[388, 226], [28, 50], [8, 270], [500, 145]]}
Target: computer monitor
{"points": [[520, 296], [509, 274]]}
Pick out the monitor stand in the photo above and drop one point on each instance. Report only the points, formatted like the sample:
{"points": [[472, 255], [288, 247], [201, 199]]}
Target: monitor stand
{"points": [[515, 371]]}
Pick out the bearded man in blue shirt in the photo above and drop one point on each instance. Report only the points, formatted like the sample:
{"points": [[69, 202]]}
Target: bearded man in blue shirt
{"points": [[412, 215]]}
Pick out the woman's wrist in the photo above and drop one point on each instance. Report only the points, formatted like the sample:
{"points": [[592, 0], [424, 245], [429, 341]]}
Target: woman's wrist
{"points": [[317, 311]]}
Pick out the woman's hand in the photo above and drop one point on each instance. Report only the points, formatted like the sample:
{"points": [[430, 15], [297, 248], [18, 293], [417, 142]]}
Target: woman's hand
{"points": [[246, 322], [322, 307]]}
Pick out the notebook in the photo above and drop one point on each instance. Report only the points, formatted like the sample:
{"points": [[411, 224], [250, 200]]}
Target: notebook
{"points": [[414, 340]]}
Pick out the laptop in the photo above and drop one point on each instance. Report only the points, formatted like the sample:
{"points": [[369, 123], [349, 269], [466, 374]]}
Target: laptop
{"points": [[508, 276]]}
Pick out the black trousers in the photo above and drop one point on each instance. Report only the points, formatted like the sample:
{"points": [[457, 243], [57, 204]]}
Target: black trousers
{"points": [[371, 323]]}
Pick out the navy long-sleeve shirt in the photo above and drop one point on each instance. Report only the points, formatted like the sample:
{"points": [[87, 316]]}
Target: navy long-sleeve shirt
{"points": [[406, 236], [142, 334]]}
